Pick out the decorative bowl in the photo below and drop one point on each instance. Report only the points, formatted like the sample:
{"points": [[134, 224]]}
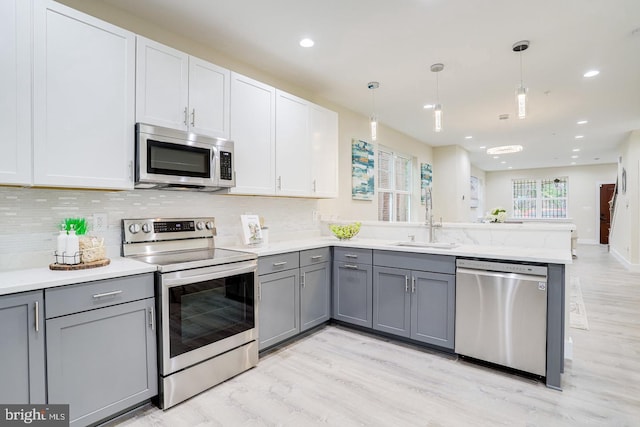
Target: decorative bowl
{"points": [[345, 232]]}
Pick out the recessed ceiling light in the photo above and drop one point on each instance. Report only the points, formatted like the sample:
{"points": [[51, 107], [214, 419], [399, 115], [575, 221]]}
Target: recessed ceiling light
{"points": [[505, 149], [503, 162], [575, 150], [573, 163], [428, 106], [306, 43], [510, 167], [583, 122], [591, 73], [579, 136], [496, 157], [574, 156], [468, 137], [483, 147]]}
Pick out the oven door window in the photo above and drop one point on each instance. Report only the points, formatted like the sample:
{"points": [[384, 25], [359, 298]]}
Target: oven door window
{"points": [[181, 160], [206, 312]]}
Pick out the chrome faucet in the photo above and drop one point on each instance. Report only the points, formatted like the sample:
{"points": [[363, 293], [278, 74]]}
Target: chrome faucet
{"points": [[428, 220]]}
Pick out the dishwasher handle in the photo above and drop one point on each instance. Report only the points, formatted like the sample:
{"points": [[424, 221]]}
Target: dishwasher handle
{"points": [[516, 276]]}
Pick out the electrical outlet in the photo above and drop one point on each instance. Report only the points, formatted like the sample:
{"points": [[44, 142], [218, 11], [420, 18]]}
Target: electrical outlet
{"points": [[100, 222]]}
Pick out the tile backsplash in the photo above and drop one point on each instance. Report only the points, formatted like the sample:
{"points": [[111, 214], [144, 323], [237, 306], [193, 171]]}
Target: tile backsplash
{"points": [[29, 217]]}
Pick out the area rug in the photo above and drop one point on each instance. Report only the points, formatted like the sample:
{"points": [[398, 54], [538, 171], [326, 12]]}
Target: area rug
{"points": [[578, 312]]}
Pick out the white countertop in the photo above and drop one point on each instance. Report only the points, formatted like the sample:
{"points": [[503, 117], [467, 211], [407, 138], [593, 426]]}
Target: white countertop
{"points": [[507, 253], [41, 278]]}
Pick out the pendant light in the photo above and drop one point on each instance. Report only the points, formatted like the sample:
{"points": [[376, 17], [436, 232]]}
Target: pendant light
{"points": [[521, 92], [373, 120], [437, 109]]}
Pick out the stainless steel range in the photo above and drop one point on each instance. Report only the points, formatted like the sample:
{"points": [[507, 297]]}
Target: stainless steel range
{"points": [[206, 299]]}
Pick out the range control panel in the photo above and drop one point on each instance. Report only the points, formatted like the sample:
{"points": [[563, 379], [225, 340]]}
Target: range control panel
{"points": [[163, 229], [501, 267]]}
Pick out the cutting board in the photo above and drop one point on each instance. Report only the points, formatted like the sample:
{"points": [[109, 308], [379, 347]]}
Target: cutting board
{"points": [[81, 266]]}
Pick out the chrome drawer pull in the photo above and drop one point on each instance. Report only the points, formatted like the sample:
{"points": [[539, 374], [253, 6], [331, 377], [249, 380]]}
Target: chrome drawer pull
{"points": [[152, 319], [317, 257], [107, 294], [355, 267], [278, 264], [350, 256]]}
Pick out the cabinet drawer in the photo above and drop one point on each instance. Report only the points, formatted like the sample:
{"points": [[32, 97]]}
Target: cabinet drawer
{"points": [[314, 256], [280, 262], [352, 255], [103, 293], [416, 261]]}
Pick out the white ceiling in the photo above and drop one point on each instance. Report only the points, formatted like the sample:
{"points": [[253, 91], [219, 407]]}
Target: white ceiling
{"points": [[396, 41]]}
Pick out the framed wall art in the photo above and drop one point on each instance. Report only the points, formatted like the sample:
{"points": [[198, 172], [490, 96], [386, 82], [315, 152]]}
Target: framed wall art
{"points": [[362, 162]]}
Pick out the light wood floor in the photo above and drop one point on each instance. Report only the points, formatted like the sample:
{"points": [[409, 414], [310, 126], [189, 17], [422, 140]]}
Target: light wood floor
{"points": [[337, 377]]}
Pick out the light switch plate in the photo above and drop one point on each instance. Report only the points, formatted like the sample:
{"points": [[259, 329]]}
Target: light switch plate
{"points": [[100, 222]]}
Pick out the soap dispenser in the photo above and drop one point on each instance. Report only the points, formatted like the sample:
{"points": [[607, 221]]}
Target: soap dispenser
{"points": [[62, 245], [72, 248]]}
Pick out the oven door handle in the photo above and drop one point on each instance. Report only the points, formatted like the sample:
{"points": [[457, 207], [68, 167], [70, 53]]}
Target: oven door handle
{"points": [[168, 282]]}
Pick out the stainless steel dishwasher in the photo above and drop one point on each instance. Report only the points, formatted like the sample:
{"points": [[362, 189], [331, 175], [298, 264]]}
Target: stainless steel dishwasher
{"points": [[501, 314]]}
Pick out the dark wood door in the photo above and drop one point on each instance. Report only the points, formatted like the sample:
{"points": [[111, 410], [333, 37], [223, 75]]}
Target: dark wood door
{"points": [[606, 195]]}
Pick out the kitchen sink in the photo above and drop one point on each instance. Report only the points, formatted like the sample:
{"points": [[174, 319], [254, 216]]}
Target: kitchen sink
{"points": [[435, 245]]}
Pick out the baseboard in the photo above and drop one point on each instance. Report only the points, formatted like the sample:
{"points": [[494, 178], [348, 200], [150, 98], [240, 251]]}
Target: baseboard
{"points": [[635, 268]]}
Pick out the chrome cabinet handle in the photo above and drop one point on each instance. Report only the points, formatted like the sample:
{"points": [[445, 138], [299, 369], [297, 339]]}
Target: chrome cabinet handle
{"points": [[350, 256], [37, 315], [278, 264], [193, 117], [315, 257], [352, 266], [260, 291], [152, 319], [107, 294], [131, 170], [406, 283], [302, 279], [314, 186], [186, 116], [280, 183], [413, 284]]}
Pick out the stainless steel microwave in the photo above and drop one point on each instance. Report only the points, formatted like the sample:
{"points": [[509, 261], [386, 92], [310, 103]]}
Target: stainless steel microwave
{"points": [[170, 159]]}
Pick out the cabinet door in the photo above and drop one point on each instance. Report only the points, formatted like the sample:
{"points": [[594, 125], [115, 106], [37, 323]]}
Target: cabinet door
{"points": [[22, 351], [102, 361], [209, 104], [433, 308], [83, 100], [323, 124], [279, 307], [253, 130], [392, 300], [15, 87], [315, 295], [352, 293], [293, 174], [162, 79]]}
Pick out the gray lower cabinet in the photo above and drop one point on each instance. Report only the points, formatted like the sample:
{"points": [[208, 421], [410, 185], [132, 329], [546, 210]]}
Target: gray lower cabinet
{"points": [[414, 302], [22, 338], [353, 286], [315, 287], [101, 346], [279, 296]]}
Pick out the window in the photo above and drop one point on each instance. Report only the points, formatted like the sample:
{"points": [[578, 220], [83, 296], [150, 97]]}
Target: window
{"points": [[543, 198], [394, 186]]}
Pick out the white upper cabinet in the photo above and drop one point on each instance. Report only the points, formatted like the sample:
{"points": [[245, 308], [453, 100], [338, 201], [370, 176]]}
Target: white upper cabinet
{"points": [[323, 130], [83, 100], [179, 91], [253, 120], [15, 87], [293, 173]]}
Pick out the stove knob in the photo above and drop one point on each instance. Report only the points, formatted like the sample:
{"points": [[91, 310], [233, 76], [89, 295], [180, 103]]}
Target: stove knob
{"points": [[210, 225], [134, 228], [146, 227], [200, 225]]}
